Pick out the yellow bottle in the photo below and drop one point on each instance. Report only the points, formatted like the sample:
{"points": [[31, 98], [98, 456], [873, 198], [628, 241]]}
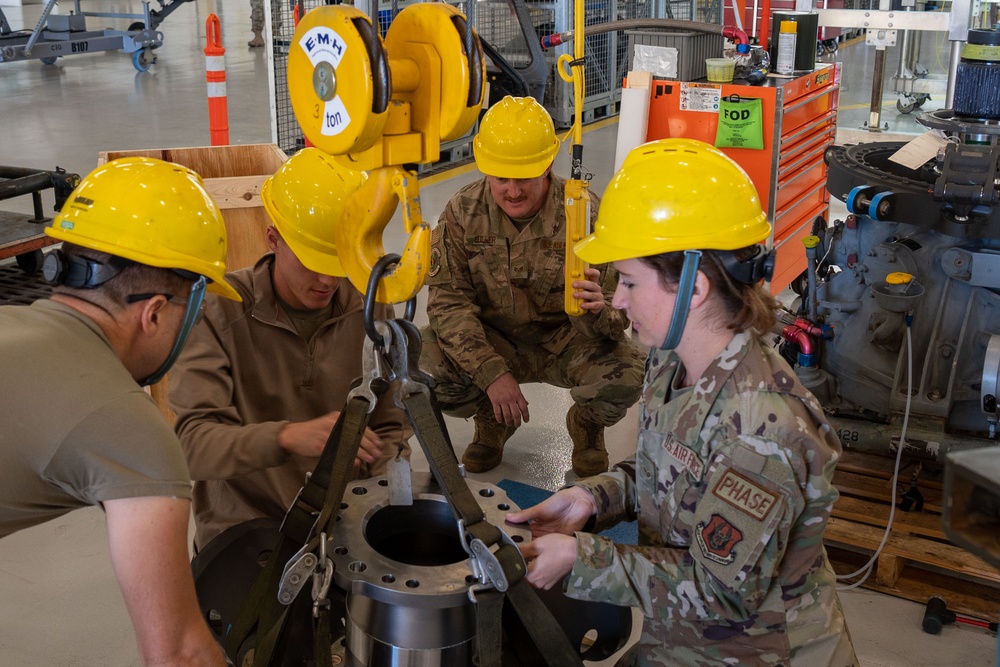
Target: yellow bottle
{"points": [[787, 35]]}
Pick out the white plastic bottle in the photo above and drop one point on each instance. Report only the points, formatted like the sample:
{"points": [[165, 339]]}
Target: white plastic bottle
{"points": [[786, 48]]}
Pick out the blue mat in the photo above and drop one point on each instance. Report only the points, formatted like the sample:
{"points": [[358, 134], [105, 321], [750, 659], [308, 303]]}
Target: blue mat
{"points": [[526, 495]]}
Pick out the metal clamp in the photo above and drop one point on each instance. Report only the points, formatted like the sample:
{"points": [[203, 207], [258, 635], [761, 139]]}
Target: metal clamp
{"points": [[295, 575], [485, 565]]}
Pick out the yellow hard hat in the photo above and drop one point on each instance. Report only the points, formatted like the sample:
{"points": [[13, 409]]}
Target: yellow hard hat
{"points": [[151, 212], [675, 194], [516, 139], [305, 199]]}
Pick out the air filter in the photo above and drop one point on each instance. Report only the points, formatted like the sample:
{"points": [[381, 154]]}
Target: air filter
{"points": [[977, 79]]}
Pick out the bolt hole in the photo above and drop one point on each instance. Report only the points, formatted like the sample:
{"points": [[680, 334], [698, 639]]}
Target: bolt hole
{"points": [[388, 578], [340, 551], [503, 507], [517, 538], [487, 493], [358, 566], [383, 482], [470, 579], [359, 490], [412, 583]]}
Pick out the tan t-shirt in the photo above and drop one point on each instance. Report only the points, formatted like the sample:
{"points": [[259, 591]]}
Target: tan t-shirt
{"points": [[75, 428]]}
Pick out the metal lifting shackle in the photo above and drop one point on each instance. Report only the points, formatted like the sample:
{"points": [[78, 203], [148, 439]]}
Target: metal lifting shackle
{"points": [[378, 106]]}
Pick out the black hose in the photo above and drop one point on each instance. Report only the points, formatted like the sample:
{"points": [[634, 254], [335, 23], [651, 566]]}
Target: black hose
{"points": [[633, 24]]}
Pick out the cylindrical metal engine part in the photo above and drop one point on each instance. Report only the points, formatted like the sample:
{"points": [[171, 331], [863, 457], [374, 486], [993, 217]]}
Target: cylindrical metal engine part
{"points": [[407, 574]]}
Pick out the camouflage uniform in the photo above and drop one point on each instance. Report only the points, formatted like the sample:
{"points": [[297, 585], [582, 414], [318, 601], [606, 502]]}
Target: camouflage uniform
{"points": [[495, 304], [732, 489], [257, 15]]}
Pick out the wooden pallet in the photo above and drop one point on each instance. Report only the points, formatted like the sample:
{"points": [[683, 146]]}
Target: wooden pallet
{"points": [[917, 562]]}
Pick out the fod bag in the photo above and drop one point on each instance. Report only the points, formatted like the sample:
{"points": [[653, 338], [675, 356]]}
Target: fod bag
{"points": [[741, 123]]}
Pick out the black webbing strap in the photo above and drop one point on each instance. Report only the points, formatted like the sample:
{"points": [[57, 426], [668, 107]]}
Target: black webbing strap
{"points": [[444, 464], [309, 516], [548, 637], [489, 618], [323, 636]]}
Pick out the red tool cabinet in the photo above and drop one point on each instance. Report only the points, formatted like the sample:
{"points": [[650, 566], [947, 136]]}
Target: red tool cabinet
{"points": [[800, 122]]}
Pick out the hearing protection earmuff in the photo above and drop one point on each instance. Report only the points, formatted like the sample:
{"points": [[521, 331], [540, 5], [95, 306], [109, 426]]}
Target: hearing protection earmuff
{"points": [[79, 272], [750, 270]]}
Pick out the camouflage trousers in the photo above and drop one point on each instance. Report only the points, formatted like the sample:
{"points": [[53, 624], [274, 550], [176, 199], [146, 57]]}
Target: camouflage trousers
{"points": [[257, 14], [604, 377]]}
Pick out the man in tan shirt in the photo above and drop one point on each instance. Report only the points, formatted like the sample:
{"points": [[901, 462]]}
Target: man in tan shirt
{"points": [[142, 242], [261, 384]]}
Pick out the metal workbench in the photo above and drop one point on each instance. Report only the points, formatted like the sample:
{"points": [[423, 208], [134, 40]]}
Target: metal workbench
{"points": [[22, 235]]}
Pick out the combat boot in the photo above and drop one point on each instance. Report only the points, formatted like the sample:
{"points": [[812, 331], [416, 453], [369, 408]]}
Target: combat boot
{"points": [[258, 39], [486, 449], [590, 456]]}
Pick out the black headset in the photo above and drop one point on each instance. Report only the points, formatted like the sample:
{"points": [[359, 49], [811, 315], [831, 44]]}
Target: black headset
{"points": [[80, 272], [750, 270]]}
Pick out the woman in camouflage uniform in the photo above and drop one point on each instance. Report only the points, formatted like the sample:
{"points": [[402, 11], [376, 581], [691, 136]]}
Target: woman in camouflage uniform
{"points": [[731, 483]]}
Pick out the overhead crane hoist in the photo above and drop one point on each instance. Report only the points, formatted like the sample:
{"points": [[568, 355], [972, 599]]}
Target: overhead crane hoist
{"points": [[411, 568], [378, 107]]}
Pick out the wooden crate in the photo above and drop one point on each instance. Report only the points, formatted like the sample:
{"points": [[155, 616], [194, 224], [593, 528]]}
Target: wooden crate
{"points": [[233, 175], [917, 562]]}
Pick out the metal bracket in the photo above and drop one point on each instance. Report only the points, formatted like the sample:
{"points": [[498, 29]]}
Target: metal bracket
{"points": [[978, 268], [295, 575], [869, 19], [484, 563], [880, 37], [488, 565]]}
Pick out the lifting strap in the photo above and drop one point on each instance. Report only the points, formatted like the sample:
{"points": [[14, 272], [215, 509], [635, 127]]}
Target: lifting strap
{"points": [[305, 524], [504, 569], [501, 572]]}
